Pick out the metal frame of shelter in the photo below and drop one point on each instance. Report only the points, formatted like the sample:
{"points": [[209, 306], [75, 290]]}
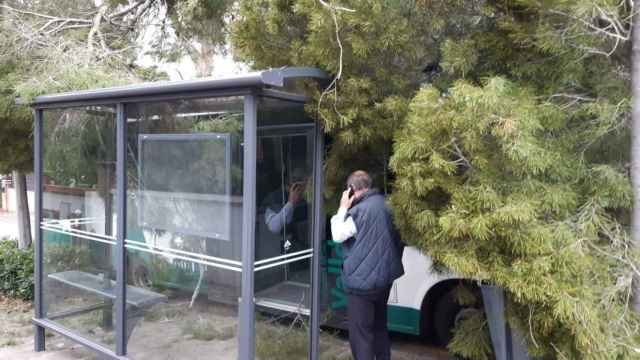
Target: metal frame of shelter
{"points": [[271, 84]]}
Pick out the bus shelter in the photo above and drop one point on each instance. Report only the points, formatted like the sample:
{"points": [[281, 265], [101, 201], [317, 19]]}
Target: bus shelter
{"points": [[175, 213]]}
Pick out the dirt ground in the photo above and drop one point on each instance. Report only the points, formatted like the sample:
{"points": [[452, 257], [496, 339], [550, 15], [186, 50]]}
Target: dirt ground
{"points": [[173, 331], [16, 336]]}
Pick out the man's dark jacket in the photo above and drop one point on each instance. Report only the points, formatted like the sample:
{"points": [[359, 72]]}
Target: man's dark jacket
{"points": [[373, 257]]}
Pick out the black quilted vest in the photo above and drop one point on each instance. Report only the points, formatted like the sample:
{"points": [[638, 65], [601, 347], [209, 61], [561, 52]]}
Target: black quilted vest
{"points": [[373, 257]]}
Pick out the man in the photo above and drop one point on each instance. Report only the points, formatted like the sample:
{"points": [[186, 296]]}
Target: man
{"points": [[284, 207], [372, 261], [286, 216], [286, 212]]}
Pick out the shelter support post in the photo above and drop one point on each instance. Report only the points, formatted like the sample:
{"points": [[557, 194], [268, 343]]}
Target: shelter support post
{"points": [[121, 192], [318, 232], [246, 338], [39, 340]]}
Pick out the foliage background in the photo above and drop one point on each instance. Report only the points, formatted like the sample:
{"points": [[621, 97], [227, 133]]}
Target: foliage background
{"points": [[505, 125]]}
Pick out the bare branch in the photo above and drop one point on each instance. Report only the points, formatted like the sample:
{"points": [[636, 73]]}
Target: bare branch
{"points": [[68, 27], [126, 10], [56, 18], [48, 23], [572, 96], [141, 10], [458, 152], [333, 86], [622, 34], [335, 7], [533, 338]]}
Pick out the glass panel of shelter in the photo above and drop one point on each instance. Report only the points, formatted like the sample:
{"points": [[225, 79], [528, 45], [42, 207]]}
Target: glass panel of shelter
{"points": [[184, 227], [78, 220], [283, 240]]}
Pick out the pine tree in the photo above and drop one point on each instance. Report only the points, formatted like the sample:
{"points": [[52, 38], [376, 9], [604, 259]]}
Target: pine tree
{"points": [[386, 46], [507, 127]]}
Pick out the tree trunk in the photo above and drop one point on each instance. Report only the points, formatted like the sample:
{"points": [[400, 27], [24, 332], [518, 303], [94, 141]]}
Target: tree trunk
{"points": [[204, 59], [635, 146], [24, 226]]}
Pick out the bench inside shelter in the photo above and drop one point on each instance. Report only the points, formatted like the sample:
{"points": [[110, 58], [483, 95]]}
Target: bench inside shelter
{"points": [[138, 299]]}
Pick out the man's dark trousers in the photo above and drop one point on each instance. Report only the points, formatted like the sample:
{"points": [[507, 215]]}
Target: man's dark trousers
{"points": [[368, 333]]}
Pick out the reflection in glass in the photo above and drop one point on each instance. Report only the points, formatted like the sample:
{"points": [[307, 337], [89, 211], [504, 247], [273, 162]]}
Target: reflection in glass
{"points": [[184, 226], [79, 215], [283, 245]]}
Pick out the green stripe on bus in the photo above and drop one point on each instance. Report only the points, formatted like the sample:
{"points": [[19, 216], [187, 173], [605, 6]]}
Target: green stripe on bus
{"points": [[403, 319]]}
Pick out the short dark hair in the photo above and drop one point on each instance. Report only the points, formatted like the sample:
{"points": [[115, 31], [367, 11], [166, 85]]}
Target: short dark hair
{"points": [[359, 180]]}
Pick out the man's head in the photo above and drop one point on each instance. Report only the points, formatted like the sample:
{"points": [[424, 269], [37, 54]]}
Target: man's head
{"points": [[298, 181], [360, 181], [298, 175]]}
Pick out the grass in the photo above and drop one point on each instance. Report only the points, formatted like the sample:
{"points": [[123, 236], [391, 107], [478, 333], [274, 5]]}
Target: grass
{"points": [[276, 341], [279, 342], [332, 347], [207, 330], [15, 317], [165, 312]]}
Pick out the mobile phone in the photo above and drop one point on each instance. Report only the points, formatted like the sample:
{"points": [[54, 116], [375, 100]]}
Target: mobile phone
{"points": [[351, 192]]}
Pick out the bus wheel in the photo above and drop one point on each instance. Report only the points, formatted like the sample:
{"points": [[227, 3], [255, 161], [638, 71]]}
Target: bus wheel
{"points": [[141, 277], [447, 313]]}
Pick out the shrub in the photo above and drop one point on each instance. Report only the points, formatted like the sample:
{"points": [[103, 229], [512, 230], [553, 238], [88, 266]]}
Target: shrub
{"points": [[16, 270], [66, 257]]}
